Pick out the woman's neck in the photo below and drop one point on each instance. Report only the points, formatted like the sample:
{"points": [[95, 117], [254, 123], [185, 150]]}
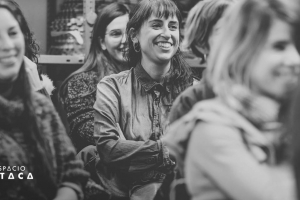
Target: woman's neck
{"points": [[156, 71]]}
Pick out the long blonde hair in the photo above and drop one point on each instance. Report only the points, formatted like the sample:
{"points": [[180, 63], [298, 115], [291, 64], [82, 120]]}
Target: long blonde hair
{"points": [[244, 33]]}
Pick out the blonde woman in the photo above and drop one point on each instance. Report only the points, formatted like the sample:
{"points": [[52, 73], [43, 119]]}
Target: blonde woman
{"points": [[232, 140]]}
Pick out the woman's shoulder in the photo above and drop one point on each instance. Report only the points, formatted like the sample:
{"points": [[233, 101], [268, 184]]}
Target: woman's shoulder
{"points": [[214, 131], [216, 121], [83, 77], [82, 83], [119, 78]]}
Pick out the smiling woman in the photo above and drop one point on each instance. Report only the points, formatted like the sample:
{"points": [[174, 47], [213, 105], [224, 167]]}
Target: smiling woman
{"points": [[35, 150], [12, 48], [77, 93], [237, 143], [132, 107]]}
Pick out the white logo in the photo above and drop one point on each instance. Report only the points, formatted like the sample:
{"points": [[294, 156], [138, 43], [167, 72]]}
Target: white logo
{"points": [[14, 172]]}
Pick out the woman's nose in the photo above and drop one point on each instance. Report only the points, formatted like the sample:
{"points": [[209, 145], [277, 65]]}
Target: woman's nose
{"points": [[166, 32], [6, 43], [293, 57], [123, 39]]}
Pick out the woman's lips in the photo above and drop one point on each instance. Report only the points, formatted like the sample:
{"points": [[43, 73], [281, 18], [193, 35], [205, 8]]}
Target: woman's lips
{"points": [[123, 49], [7, 60], [164, 45]]}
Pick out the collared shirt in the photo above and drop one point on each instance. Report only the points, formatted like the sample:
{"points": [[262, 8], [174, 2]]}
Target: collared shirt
{"points": [[131, 115]]}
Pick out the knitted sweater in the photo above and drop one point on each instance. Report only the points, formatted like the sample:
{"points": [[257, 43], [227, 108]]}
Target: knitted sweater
{"points": [[16, 152], [80, 98]]}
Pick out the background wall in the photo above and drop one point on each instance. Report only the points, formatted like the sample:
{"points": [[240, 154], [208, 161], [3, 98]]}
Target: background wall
{"points": [[35, 12]]}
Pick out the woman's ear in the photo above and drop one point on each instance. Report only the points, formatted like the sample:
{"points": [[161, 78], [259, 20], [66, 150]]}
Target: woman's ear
{"points": [[133, 35], [102, 44]]}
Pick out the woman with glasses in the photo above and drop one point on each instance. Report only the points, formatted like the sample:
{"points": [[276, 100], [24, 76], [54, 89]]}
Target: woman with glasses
{"points": [[78, 92]]}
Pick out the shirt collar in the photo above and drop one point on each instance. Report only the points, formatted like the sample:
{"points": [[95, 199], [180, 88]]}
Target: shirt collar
{"points": [[147, 82]]}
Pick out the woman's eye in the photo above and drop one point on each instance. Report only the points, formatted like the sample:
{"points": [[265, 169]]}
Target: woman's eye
{"points": [[280, 46], [116, 34], [155, 25], [174, 27], [13, 33]]}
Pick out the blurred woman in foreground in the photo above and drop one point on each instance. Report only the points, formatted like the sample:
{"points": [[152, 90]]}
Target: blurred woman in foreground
{"points": [[233, 141], [37, 158]]}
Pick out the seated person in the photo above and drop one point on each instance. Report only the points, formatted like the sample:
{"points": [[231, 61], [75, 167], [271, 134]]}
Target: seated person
{"points": [[77, 93]]}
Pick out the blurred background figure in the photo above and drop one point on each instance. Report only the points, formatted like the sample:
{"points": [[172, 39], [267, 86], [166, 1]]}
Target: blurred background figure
{"points": [[230, 147], [32, 135], [77, 93], [202, 27], [132, 107]]}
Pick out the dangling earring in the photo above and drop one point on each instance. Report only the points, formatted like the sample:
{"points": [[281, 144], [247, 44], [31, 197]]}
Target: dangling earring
{"points": [[136, 47]]}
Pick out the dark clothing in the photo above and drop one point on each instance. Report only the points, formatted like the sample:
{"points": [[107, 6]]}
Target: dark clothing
{"points": [[79, 101], [78, 105], [188, 98], [181, 106], [17, 150], [131, 115]]}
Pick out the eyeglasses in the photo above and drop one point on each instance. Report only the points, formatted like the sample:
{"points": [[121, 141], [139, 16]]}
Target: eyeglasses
{"points": [[117, 34]]}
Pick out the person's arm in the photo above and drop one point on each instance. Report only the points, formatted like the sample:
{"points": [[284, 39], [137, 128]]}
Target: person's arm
{"points": [[221, 154], [65, 193], [69, 170], [185, 101], [79, 112], [114, 150]]}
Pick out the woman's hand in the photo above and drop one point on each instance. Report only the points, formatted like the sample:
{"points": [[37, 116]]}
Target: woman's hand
{"points": [[66, 193]]}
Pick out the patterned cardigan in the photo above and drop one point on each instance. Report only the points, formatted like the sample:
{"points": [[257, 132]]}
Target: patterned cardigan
{"points": [[80, 99]]}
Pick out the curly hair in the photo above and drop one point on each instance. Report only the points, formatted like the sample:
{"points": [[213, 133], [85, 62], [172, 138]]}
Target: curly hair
{"points": [[38, 145], [32, 48]]}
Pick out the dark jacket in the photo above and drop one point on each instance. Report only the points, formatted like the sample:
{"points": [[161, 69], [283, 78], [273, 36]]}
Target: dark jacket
{"points": [[188, 98], [16, 150]]}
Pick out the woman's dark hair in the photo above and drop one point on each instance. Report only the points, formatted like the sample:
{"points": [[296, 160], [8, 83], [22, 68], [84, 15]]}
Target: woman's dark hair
{"points": [[40, 157], [31, 46], [93, 59], [180, 72]]}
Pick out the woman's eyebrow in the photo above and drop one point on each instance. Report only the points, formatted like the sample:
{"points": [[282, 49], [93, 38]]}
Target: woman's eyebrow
{"points": [[13, 27], [155, 20], [174, 22]]}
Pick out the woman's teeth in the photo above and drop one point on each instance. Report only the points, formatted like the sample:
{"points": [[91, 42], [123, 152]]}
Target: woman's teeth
{"points": [[164, 44]]}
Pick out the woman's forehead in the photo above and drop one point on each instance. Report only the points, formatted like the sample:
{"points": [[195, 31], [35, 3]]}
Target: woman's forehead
{"points": [[170, 18]]}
